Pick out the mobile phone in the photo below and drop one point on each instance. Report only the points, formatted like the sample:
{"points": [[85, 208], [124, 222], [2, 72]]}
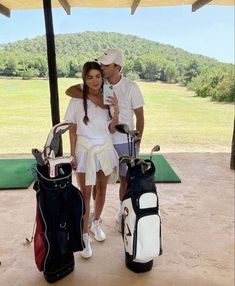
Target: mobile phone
{"points": [[107, 92]]}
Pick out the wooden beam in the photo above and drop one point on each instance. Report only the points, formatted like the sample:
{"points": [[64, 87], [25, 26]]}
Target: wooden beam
{"points": [[66, 6], [5, 11], [134, 6], [232, 160], [51, 59], [199, 3]]}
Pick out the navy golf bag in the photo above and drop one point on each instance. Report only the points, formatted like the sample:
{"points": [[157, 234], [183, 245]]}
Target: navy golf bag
{"points": [[141, 222], [59, 212]]}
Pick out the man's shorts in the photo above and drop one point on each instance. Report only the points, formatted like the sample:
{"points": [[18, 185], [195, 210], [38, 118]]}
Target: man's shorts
{"points": [[123, 149]]}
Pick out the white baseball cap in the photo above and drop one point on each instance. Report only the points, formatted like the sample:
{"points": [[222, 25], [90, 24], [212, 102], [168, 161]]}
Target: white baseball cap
{"points": [[111, 56]]}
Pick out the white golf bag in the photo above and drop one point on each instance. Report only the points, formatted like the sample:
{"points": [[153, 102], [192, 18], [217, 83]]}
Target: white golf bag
{"points": [[141, 222]]}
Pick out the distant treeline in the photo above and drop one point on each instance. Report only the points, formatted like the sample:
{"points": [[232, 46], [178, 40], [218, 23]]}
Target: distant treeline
{"points": [[144, 60]]}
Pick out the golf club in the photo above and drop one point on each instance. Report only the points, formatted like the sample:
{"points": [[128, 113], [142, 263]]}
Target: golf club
{"points": [[134, 135], [124, 129], [156, 148], [125, 159]]}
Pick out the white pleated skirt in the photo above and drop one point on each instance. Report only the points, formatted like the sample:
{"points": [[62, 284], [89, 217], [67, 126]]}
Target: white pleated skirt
{"points": [[82, 161]]}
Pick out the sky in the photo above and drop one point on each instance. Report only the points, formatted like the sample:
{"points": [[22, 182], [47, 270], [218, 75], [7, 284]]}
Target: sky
{"points": [[208, 31]]}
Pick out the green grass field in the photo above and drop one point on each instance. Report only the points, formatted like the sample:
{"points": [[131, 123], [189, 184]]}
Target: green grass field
{"points": [[174, 118]]}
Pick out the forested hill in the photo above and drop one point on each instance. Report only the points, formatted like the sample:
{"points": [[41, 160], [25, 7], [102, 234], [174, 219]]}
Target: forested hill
{"points": [[144, 59], [88, 45]]}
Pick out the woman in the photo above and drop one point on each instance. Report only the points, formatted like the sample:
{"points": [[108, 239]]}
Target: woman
{"points": [[95, 158]]}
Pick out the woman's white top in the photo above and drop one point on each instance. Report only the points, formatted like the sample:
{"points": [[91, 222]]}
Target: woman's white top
{"points": [[95, 133]]}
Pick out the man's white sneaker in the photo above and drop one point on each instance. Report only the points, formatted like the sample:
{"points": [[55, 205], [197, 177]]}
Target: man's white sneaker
{"points": [[97, 231], [87, 251]]}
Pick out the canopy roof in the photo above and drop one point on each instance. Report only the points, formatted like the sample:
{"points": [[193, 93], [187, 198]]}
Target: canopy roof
{"points": [[7, 5]]}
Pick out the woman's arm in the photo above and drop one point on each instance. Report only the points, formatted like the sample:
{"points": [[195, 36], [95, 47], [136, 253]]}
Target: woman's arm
{"points": [[73, 142]]}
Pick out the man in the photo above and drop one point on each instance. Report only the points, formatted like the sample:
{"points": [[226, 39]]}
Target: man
{"points": [[130, 107]]}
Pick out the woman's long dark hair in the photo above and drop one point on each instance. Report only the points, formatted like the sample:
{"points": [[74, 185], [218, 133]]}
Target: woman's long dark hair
{"points": [[86, 68]]}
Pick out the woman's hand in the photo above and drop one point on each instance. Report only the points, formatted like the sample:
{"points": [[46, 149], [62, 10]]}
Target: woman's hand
{"points": [[115, 115], [74, 163], [114, 103]]}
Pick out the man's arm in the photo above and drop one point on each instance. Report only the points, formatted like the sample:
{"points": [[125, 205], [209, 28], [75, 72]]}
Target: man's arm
{"points": [[139, 114], [75, 91]]}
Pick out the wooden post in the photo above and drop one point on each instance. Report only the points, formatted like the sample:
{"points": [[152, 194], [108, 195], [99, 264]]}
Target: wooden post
{"points": [[232, 160], [51, 59]]}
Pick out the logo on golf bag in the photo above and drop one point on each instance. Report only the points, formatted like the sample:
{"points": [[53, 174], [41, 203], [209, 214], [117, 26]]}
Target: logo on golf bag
{"points": [[128, 232]]}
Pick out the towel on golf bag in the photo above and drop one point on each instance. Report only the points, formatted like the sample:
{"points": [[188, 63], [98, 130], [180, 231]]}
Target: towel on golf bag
{"points": [[141, 224], [59, 224]]}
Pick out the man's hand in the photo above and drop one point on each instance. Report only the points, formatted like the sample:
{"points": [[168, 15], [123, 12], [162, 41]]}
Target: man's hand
{"points": [[139, 114]]}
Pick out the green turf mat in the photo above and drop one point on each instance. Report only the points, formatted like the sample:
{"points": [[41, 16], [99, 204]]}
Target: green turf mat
{"points": [[16, 173], [164, 173]]}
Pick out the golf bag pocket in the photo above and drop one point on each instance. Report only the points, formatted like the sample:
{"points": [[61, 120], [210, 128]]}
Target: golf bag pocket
{"points": [[142, 227], [147, 246], [40, 244]]}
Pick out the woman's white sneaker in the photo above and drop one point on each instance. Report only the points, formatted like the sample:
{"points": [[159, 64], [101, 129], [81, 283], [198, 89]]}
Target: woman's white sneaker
{"points": [[97, 231], [87, 251]]}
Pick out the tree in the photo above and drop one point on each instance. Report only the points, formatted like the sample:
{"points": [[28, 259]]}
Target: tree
{"points": [[152, 70], [11, 66], [169, 72], [41, 66], [75, 67], [191, 71]]}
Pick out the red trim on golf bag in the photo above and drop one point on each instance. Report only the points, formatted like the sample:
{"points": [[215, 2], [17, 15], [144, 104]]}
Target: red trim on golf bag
{"points": [[40, 244]]}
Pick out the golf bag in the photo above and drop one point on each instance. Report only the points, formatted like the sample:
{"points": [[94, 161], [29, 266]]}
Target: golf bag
{"points": [[141, 222], [59, 212]]}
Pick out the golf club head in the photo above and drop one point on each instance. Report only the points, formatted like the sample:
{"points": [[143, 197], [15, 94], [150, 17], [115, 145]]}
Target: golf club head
{"points": [[124, 159], [53, 137], [38, 156], [139, 161], [134, 133], [156, 148], [122, 128], [145, 166]]}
